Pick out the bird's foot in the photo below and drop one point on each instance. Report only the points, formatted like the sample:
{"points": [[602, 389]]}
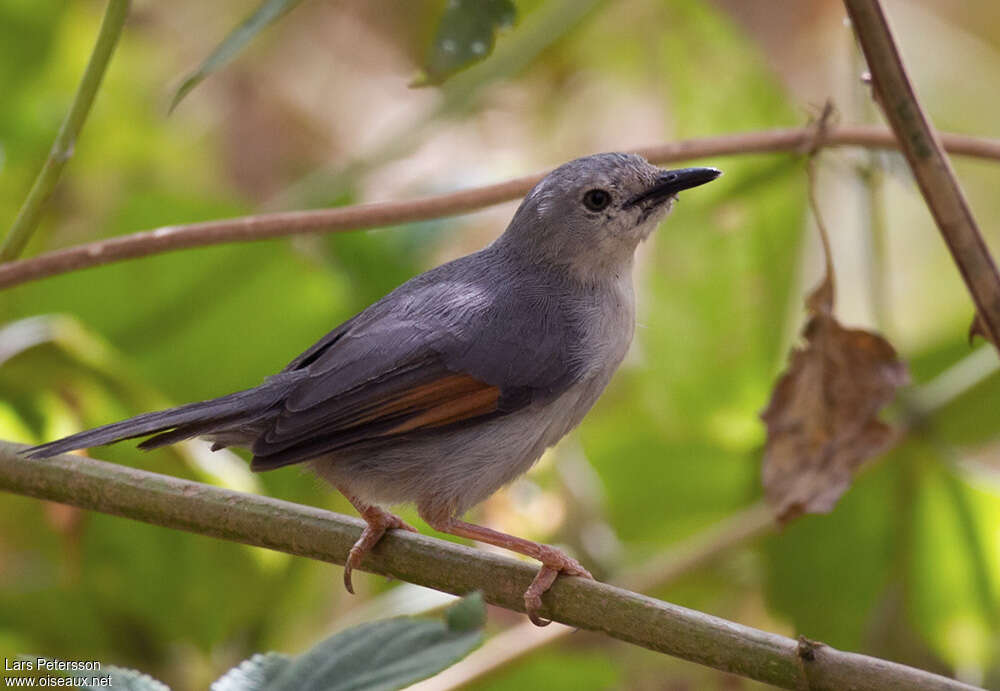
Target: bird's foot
{"points": [[554, 562], [379, 522]]}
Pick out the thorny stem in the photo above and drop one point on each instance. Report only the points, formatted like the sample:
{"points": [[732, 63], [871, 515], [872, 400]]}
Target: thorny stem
{"points": [[62, 148]]}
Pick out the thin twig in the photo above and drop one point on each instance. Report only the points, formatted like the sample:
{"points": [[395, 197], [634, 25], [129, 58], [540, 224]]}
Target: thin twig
{"points": [[62, 149], [310, 532], [375, 215], [829, 283], [931, 167]]}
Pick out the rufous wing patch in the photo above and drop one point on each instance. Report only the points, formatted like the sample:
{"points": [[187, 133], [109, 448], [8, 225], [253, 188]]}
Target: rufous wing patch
{"points": [[481, 401]]}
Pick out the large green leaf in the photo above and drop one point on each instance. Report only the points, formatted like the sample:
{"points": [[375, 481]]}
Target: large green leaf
{"points": [[256, 674], [827, 573], [953, 571], [380, 656]]}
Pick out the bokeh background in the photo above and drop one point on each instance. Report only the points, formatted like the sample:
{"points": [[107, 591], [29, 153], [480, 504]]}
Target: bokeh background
{"points": [[319, 112]]}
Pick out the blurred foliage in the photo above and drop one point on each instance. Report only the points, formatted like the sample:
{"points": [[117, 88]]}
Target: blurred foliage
{"points": [[465, 35], [378, 656], [908, 564], [266, 14]]}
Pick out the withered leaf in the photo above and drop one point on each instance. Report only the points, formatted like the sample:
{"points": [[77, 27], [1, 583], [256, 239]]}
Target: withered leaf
{"points": [[821, 420]]}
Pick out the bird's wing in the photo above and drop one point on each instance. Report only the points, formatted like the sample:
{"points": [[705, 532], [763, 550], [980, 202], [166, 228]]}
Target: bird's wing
{"points": [[418, 364]]}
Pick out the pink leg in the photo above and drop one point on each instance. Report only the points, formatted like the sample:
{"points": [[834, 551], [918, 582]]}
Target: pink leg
{"points": [[553, 560], [379, 521]]}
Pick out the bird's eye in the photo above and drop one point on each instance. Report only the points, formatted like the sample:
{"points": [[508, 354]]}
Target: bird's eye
{"points": [[597, 199]]}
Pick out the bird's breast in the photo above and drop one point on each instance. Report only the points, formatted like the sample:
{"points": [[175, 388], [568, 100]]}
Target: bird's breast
{"points": [[607, 329]]}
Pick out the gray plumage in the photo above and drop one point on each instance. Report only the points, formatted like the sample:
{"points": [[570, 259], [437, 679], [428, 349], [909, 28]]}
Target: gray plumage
{"points": [[456, 382]]}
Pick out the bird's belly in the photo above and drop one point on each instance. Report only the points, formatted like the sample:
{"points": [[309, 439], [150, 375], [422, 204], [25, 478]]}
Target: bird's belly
{"points": [[454, 470]]}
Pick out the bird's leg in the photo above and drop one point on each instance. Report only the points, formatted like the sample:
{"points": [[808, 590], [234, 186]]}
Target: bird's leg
{"points": [[553, 560], [379, 521]]}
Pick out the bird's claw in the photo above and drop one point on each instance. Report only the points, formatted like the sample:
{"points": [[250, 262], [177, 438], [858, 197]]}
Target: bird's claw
{"points": [[378, 524], [533, 595], [400, 524], [352, 559], [551, 568]]}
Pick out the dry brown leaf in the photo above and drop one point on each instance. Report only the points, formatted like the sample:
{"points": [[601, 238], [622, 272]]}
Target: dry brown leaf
{"points": [[821, 420]]}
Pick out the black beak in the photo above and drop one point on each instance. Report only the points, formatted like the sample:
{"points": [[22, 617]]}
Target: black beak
{"points": [[673, 181]]}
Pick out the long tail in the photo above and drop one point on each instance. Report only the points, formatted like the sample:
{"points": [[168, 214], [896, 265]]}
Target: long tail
{"points": [[176, 424]]}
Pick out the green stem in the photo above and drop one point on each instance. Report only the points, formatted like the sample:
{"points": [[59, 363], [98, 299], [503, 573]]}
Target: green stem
{"points": [[62, 149]]}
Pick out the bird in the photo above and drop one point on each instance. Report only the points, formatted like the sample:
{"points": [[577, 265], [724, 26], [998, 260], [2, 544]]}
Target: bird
{"points": [[453, 385]]}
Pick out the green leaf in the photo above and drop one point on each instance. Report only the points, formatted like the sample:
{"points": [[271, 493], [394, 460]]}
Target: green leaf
{"points": [[379, 656], [465, 35], [129, 680], [269, 12], [953, 569], [826, 574], [468, 614], [255, 674]]}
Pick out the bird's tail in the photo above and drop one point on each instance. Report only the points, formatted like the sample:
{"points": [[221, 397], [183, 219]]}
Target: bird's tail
{"points": [[176, 424]]}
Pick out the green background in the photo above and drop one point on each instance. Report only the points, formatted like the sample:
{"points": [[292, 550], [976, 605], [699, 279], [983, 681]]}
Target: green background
{"points": [[318, 112]]}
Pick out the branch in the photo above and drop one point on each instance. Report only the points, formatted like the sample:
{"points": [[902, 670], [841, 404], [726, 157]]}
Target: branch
{"points": [[62, 148], [310, 532], [679, 560], [379, 214], [931, 167]]}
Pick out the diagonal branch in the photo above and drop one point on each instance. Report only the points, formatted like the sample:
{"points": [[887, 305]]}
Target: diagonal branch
{"points": [[375, 215], [924, 151], [679, 560], [310, 532]]}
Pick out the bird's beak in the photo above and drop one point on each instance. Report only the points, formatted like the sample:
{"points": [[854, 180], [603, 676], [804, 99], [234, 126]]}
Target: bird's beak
{"points": [[673, 181]]}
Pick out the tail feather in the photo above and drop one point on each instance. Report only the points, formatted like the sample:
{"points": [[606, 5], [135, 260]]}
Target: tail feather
{"points": [[221, 425], [167, 437], [176, 424]]}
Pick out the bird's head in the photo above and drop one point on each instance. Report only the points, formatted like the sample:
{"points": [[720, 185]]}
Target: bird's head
{"points": [[590, 214]]}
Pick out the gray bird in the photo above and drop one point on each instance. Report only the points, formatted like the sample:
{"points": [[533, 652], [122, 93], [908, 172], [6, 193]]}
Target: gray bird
{"points": [[453, 385]]}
